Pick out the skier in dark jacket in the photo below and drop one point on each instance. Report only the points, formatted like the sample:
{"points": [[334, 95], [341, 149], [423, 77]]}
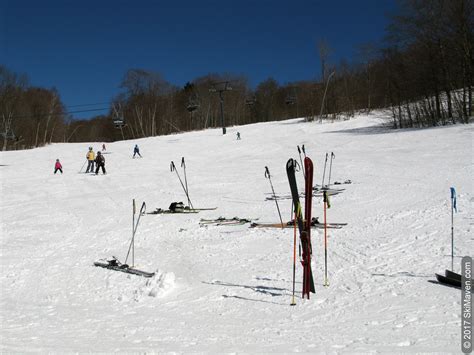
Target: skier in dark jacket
{"points": [[136, 151], [100, 163]]}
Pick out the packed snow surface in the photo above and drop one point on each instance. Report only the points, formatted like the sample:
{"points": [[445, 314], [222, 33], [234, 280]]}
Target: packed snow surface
{"points": [[228, 288]]}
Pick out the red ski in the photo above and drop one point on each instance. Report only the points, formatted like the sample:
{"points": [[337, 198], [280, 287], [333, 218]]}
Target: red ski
{"points": [[308, 168]]}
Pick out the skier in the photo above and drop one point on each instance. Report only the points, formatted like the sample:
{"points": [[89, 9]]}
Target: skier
{"points": [[100, 163], [58, 166], [136, 151], [238, 136], [90, 156], [103, 147]]}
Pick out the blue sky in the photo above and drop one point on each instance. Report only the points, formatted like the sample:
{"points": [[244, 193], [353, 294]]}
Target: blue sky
{"points": [[84, 48]]}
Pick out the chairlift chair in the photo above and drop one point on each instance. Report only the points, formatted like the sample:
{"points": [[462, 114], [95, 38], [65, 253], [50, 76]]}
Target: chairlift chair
{"points": [[119, 122], [290, 100], [250, 101], [193, 105], [9, 135]]}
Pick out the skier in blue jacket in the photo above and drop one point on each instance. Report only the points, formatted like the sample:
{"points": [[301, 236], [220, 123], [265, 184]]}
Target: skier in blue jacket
{"points": [[136, 151]]}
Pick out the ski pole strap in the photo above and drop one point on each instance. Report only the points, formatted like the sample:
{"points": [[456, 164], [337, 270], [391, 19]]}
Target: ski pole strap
{"points": [[267, 172], [172, 167], [183, 164], [296, 165]]}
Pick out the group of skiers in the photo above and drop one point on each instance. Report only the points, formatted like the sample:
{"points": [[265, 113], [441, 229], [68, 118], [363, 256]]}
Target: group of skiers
{"points": [[98, 160], [93, 160]]}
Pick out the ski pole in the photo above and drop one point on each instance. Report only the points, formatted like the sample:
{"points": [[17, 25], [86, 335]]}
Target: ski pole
{"points": [[173, 168], [134, 231], [324, 171], [267, 175], [304, 152], [333, 156], [183, 165], [83, 166], [453, 207], [301, 160], [326, 204], [132, 242], [293, 303]]}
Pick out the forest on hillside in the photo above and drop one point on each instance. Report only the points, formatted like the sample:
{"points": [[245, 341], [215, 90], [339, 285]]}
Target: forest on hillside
{"points": [[423, 72]]}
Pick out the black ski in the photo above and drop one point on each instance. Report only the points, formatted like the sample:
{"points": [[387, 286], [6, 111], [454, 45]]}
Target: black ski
{"points": [[448, 281], [452, 275], [114, 265], [183, 211], [224, 221]]}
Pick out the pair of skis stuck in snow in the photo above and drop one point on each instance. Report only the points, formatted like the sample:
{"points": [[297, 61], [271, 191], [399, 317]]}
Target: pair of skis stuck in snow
{"points": [[303, 223]]}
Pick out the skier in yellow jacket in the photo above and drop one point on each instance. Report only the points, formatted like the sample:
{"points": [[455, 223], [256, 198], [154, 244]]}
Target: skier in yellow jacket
{"points": [[90, 156]]}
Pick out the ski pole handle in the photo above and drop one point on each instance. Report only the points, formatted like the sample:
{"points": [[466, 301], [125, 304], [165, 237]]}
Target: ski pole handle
{"points": [[172, 167], [143, 208], [299, 151], [267, 172], [333, 156], [183, 164], [134, 208], [302, 147], [326, 199]]}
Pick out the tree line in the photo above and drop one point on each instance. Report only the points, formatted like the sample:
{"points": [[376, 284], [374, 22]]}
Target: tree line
{"points": [[423, 72]]}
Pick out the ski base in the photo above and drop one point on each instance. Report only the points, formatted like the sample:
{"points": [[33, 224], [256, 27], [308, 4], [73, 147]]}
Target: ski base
{"points": [[124, 268]]}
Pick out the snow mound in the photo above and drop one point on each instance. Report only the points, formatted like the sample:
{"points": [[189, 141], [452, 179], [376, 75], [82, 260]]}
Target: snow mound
{"points": [[160, 285]]}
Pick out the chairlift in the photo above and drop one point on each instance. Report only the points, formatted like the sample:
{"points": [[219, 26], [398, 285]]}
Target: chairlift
{"points": [[193, 104], [290, 100], [250, 101], [117, 117], [119, 122], [291, 97]]}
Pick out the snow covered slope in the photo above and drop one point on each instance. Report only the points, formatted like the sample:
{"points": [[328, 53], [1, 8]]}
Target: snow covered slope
{"points": [[228, 288]]}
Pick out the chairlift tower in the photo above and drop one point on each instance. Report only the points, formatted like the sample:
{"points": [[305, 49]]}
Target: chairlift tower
{"points": [[220, 88]]}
